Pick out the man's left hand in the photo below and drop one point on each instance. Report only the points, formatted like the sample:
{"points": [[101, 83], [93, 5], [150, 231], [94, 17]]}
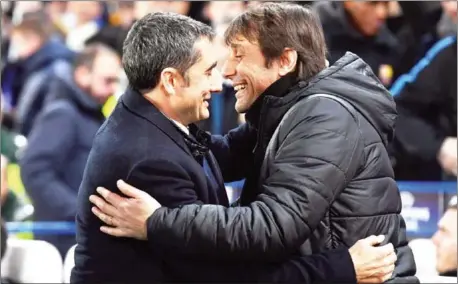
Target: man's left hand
{"points": [[126, 216]]}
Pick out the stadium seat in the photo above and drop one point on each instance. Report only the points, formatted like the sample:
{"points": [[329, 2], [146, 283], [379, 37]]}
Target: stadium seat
{"points": [[424, 253], [69, 262], [32, 261]]}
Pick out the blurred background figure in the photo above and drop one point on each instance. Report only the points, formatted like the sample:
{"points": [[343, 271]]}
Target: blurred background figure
{"points": [[33, 55], [445, 240], [82, 20], [58, 146], [425, 146], [144, 7], [360, 27]]}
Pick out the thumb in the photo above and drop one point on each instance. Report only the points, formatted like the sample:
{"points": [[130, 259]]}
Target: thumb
{"points": [[129, 190], [375, 240]]}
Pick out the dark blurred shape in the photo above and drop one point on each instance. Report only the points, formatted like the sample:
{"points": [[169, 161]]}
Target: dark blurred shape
{"points": [[111, 36]]}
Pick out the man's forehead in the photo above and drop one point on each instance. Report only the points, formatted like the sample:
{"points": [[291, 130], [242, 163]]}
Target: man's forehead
{"points": [[205, 47]]}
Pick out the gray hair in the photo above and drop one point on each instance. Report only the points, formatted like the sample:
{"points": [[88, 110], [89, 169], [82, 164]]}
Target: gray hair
{"points": [[158, 41]]}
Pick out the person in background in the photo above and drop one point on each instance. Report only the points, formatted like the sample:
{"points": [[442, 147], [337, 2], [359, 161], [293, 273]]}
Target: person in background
{"points": [[359, 27], [53, 162], [124, 15], [425, 145], [82, 20], [143, 8], [445, 240], [34, 54]]}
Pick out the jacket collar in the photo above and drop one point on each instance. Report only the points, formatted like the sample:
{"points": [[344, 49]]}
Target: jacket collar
{"points": [[277, 90], [138, 104]]}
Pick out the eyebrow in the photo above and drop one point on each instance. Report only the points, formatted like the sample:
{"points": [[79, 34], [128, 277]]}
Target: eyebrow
{"points": [[212, 66], [237, 46]]}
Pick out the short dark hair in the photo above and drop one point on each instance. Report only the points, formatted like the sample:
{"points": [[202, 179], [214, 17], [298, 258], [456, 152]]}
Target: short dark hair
{"points": [[87, 56], [158, 41], [276, 26]]}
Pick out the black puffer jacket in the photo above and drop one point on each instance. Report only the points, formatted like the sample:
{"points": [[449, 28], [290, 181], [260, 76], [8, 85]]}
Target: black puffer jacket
{"points": [[326, 180]]}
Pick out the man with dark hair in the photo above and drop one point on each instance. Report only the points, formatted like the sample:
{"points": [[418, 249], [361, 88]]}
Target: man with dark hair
{"points": [[359, 27], [150, 141], [59, 144], [318, 175]]}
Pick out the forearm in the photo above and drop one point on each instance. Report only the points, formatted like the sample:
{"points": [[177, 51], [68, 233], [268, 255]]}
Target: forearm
{"points": [[335, 266], [251, 233]]}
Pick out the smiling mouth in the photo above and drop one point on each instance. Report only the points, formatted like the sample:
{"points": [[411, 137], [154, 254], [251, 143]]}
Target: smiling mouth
{"points": [[240, 87]]}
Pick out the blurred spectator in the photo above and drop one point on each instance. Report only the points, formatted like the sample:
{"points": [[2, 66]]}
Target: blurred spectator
{"points": [[22, 8], [112, 36], [144, 7], [445, 240], [223, 11], [414, 24], [33, 55], [58, 147], [425, 145], [56, 11], [124, 15], [82, 20], [3, 180], [359, 27], [13, 208], [447, 25]]}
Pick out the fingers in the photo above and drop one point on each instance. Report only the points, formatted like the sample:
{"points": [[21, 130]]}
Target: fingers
{"points": [[116, 232], [109, 196], [109, 220], [129, 190], [103, 206], [384, 251], [379, 278], [375, 240]]}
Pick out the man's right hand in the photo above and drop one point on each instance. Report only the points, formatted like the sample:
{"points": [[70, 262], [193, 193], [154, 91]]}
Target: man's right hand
{"points": [[373, 264]]}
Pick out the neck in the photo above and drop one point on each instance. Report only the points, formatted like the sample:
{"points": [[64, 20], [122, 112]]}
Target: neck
{"points": [[160, 101]]}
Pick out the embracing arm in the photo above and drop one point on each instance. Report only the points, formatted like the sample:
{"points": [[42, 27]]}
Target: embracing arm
{"points": [[234, 152], [316, 158]]}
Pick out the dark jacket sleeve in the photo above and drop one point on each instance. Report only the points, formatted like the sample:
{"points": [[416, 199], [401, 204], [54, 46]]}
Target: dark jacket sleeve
{"points": [[319, 149], [49, 145], [420, 105], [335, 266], [234, 152]]}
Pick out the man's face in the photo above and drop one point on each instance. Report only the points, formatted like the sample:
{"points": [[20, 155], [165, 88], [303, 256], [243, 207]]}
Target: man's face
{"points": [[445, 240], [193, 93], [368, 16], [246, 68], [103, 80], [23, 45]]}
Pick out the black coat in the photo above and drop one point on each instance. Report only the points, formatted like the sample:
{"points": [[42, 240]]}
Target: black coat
{"points": [[58, 147], [326, 181], [140, 145], [426, 101]]}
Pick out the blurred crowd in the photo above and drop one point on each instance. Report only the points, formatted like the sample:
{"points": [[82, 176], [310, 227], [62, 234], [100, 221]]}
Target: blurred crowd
{"points": [[62, 73]]}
